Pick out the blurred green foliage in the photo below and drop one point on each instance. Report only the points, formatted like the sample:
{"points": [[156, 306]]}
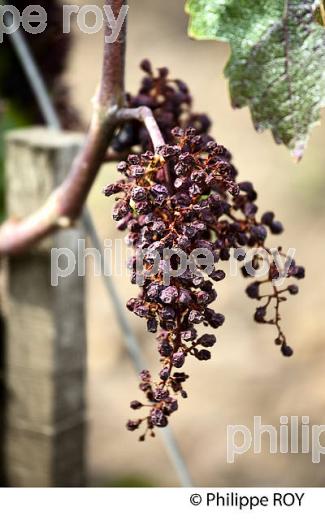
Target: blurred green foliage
{"points": [[130, 481]]}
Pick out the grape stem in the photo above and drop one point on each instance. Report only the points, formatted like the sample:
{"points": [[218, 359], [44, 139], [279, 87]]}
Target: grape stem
{"points": [[144, 115]]}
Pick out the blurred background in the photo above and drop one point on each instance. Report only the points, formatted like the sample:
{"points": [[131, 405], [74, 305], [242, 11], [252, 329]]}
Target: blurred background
{"points": [[247, 375]]}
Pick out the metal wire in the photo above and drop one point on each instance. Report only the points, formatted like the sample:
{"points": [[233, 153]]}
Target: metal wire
{"points": [[133, 348], [34, 77]]}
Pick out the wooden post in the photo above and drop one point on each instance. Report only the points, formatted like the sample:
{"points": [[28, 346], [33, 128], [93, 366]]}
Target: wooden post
{"points": [[2, 402], [46, 337]]}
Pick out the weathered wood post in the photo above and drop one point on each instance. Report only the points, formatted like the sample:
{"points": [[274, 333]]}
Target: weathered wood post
{"points": [[2, 402], [46, 339]]}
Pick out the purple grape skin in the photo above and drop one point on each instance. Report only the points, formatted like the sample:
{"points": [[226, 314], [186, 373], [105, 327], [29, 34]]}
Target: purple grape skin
{"points": [[178, 359], [207, 340]]}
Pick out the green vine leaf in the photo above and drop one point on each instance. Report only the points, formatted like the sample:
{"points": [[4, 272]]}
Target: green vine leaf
{"points": [[277, 65]]}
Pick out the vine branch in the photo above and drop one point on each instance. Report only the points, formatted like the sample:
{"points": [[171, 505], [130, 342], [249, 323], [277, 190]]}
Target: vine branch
{"points": [[65, 204]]}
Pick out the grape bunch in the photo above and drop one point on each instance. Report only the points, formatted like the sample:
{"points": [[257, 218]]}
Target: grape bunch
{"points": [[171, 103], [206, 208], [185, 199]]}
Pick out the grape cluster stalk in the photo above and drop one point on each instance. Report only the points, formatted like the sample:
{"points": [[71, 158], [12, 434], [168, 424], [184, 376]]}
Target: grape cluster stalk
{"points": [[185, 196]]}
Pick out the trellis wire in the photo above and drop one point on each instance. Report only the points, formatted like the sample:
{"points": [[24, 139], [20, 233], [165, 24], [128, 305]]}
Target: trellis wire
{"points": [[34, 77], [133, 348]]}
